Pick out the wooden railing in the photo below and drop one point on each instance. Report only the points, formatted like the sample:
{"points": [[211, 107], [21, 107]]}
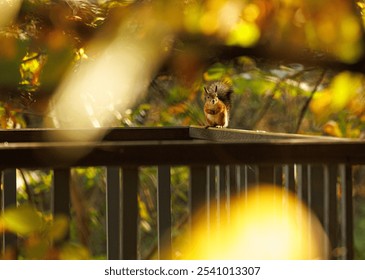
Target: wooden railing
{"points": [[222, 163]]}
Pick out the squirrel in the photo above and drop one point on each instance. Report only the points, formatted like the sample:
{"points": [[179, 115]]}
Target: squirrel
{"points": [[217, 104]]}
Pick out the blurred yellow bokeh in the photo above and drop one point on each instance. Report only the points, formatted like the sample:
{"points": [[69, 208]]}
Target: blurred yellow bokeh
{"points": [[270, 223], [9, 10]]}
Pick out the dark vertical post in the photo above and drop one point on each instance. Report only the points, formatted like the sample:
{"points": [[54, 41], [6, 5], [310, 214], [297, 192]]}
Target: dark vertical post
{"points": [[279, 175], [316, 187], [8, 199], [164, 213], [250, 176], [233, 181], [60, 194], [9, 191], [331, 172], [198, 195], [266, 174], [239, 179], [223, 210], [303, 190], [113, 210], [347, 206], [212, 196], [302, 182], [129, 213], [60, 199]]}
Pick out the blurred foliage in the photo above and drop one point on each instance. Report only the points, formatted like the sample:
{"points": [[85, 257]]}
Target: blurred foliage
{"points": [[41, 235], [286, 60], [47, 38]]}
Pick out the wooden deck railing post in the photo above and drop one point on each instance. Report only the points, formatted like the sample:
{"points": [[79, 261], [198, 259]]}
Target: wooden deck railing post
{"points": [[113, 213], [164, 213], [198, 200], [60, 193], [130, 217], [347, 211], [330, 204], [8, 199]]}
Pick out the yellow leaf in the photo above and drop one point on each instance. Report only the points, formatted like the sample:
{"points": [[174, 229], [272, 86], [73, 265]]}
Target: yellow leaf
{"points": [[74, 252], [59, 228], [332, 128], [245, 34], [22, 220], [344, 88], [320, 103], [143, 211]]}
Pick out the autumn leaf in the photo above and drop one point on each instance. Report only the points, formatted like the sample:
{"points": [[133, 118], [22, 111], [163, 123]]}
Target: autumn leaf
{"points": [[22, 220], [58, 228], [344, 88], [332, 128], [320, 103], [74, 252]]}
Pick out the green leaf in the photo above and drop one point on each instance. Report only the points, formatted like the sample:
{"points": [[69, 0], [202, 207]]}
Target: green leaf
{"points": [[216, 72], [22, 220]]}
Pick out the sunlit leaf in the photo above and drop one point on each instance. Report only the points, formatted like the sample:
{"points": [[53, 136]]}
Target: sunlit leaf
{"points": [[344, 88], [332, 128], [321, 103], [143, 210], [244, 34], [22, 220], [31, 67]]}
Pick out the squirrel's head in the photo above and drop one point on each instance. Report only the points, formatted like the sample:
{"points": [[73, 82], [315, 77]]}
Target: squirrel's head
{"points": [[211, 96]]}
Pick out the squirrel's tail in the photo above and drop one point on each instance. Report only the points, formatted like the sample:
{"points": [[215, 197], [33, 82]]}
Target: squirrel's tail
{"points": [[224, 91]]}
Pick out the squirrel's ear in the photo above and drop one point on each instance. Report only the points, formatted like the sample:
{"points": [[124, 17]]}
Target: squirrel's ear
{"points": [[206, 91]]}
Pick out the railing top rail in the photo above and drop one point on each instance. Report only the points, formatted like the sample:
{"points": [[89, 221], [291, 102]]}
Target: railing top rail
{"points": [[171, 145], [97, 134], [183, 152], [150, 133], [241, 135]]}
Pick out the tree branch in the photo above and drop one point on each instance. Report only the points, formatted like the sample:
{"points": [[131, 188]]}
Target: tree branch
{"points": [[306, 105], [272, 94]]}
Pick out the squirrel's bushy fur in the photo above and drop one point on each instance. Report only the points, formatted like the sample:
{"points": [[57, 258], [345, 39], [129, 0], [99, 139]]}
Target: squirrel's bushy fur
{"points": [[218, 103]]}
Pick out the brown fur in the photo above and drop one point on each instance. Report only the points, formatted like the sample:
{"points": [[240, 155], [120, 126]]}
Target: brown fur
{"points": [[216, 112]]}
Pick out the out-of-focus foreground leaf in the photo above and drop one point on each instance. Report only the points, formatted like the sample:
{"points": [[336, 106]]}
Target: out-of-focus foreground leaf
{"points": [[22, 220]]}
